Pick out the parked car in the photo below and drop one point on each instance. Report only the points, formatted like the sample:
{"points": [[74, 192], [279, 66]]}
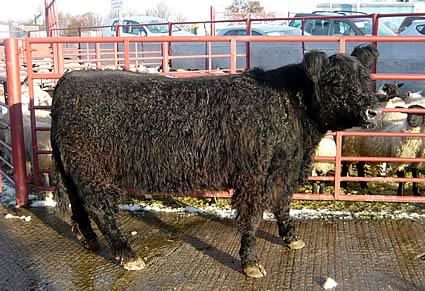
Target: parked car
{"points": [[131, 27], [341, 26], [407, 21], [416, 28], [261, 29]]}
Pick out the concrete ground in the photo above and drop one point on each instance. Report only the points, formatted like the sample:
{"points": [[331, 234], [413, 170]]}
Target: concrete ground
{"points": [[187, 252]]}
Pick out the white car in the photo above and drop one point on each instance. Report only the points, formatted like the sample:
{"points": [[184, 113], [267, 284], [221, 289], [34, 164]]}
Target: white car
{"points": [[416, 28], [261, 29], [131, 27]]}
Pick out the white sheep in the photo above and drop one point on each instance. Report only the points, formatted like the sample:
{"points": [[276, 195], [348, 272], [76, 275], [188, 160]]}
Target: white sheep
{"points": [[380, 146], [326, 148], [41, 98], [43, 143]]}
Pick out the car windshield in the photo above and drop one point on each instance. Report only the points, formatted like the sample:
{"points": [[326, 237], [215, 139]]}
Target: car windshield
{"points": [[160, 28], [365, 26]]}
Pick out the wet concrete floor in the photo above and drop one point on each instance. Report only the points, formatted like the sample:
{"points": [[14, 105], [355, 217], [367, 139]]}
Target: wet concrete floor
{"points": [[186, 252]]}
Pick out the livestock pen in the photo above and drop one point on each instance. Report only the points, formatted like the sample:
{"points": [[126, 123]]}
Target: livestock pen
{"points": [[125, 53]]}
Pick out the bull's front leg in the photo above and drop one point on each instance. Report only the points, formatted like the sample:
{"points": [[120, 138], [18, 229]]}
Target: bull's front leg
{"points": [[285, 223]]}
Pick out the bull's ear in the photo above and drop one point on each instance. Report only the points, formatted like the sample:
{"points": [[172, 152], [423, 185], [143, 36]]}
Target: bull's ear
{"points": [[366, 54], [315, 62]]}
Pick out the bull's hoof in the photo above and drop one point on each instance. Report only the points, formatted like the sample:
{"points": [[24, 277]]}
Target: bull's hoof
{"points": [[134, 264], [91, 244], [255, 271], [296, 244]]}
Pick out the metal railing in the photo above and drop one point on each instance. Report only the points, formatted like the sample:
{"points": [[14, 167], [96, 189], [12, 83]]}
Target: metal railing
{"points": [[125, 59]]}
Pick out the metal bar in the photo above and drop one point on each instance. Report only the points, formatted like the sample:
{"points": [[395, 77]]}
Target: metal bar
{"points": [[59, 57], [338, 164], [6, 146], [165, 59], [382, 179], [7, 177], [227, 39], [413, 77], [17, 129], [369, 198], [233, 56], [116, 55], [35, 160], [126, 55], [383, 159], [1, 180], [342, 45], [4, 161], [213, 21], [248, 44]]}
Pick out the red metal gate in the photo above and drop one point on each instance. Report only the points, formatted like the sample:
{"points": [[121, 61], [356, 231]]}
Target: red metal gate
{"points": [[94, 55]]}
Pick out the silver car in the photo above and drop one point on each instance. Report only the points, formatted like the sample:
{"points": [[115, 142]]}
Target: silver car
{"points": [[134, 26], [416, 28], [261, 29]]}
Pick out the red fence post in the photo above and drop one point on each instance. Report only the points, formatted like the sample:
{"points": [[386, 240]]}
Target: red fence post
{"points": [[16, 124], [165, 57], [233, 56], [248, 43]]}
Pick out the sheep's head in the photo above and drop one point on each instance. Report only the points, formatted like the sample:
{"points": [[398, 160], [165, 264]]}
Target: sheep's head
{"points": [[392, 90], [416, 119]]}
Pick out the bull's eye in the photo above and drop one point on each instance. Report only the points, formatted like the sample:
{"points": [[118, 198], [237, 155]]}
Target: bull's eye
{"points": [[337, 90]]}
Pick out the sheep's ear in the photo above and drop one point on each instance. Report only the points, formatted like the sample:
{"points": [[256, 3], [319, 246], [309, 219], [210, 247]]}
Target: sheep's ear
{"points": [[315, 62], [400, 84]]}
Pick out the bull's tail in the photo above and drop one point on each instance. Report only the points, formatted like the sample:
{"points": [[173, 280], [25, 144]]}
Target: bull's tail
{"points": [[61, 191]]}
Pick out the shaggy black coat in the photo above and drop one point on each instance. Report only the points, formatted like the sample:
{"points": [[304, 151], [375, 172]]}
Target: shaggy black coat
{"points": [[254, 133]]}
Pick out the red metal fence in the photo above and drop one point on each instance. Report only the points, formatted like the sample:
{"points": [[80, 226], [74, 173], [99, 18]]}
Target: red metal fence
{"points": [[96, 58]]}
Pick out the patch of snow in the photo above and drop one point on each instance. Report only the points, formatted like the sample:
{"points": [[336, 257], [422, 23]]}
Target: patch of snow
{"points": [[8, 197], [130, 207], [330, 283], [23, 217], [48, 202]]}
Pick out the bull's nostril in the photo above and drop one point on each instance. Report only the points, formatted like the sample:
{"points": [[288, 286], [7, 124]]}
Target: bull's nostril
{"points": [[371, 113]]}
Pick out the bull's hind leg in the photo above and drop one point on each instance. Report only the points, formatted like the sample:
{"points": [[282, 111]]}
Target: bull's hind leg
{"points": [[285, 223], [81, 225], [102, 205]]}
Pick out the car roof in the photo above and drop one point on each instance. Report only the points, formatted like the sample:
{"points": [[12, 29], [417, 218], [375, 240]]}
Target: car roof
{"points": [[332, 13], [419, 21], [264, 27], [141, 19], [407, 21]]}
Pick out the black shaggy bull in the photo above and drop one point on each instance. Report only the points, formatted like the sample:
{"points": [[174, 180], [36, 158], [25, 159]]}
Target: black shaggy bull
{"points": [[254, 133]]}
